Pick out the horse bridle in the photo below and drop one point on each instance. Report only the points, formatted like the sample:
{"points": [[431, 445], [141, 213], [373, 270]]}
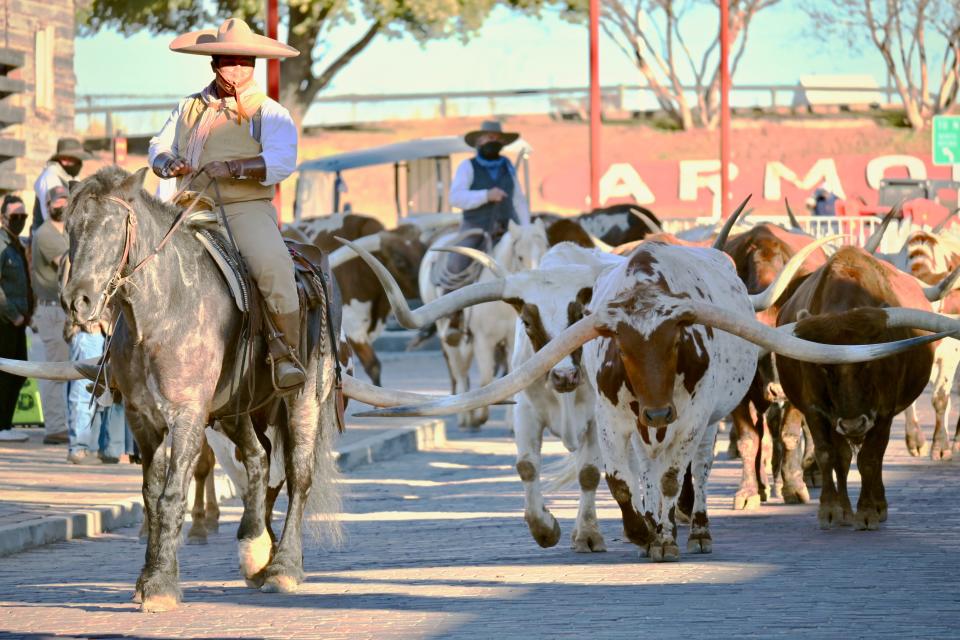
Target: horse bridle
{"points": [[118, 279]]}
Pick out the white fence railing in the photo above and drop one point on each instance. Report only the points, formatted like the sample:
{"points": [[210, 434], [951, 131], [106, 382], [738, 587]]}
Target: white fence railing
{"points": [[857, 230]]}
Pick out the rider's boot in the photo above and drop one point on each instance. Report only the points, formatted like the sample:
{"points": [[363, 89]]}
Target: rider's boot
{"points": [[282, 340]]}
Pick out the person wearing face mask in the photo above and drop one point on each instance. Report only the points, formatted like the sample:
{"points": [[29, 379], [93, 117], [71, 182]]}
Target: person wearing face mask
{"points": [[485, 187], [247, 142], [16, 309], [49, 246], [63, 168]]}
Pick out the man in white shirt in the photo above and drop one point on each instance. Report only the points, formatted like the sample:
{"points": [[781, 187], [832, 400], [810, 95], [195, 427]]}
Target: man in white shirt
{"points": [[485, 187], [247, 143], [63, 168]]}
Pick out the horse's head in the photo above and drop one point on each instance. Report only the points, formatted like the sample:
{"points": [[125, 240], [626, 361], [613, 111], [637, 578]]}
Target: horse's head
{"points": [[96, 226], [522, 247]]}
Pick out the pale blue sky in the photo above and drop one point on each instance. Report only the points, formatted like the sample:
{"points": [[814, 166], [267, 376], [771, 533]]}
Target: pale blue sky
{"points": [[511, 51]]}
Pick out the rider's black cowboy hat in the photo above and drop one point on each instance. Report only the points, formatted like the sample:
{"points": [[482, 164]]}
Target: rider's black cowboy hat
{"points": [[491, 126]]}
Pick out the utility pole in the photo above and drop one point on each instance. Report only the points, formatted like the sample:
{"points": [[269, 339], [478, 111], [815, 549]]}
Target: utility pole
{"points": [[724, 106], [594, 104]]}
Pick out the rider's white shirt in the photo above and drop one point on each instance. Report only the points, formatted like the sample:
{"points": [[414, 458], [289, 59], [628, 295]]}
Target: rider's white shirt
{"points": [[278, 137], [465, 198]]}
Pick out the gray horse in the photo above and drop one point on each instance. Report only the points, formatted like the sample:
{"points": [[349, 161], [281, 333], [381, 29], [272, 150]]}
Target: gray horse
{"points": [[174, 359]]}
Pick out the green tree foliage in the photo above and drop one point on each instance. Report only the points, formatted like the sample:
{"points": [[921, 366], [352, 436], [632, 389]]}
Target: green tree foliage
{"points": [[309, 22]]}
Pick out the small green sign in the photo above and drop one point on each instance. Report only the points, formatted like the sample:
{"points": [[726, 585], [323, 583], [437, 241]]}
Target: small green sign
{"points": [[946, 140]]}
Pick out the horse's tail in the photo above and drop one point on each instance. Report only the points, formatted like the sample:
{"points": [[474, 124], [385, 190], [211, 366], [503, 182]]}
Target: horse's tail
{"points": [[324, 501]]}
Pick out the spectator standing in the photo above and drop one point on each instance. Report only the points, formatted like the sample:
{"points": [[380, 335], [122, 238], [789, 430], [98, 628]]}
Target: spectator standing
{"points": [[63, 168], [48, 247], [16, 309]]}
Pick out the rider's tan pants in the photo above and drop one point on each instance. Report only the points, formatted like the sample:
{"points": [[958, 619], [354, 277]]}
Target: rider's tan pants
{"points": [[254, 227]]}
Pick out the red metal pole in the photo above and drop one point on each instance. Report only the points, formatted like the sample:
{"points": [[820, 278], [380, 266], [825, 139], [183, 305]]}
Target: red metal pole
{"points": [[724, 106], [594, 104], [273, 78]]}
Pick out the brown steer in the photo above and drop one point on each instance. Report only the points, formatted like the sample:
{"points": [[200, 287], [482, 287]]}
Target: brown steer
{"points": [[852, 406]]}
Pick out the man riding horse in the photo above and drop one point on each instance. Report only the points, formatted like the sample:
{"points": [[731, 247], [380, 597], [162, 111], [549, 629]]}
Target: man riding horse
{"points": [[247, 143]]}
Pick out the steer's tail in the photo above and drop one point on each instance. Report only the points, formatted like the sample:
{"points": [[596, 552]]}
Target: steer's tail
{"points": [[564, 472]]}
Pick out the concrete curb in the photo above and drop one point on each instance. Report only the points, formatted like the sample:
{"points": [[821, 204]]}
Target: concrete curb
{"points": [[94, 521]]}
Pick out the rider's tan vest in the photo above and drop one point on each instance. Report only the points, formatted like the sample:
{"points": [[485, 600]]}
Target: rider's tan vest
{"points": [[227, 141]]}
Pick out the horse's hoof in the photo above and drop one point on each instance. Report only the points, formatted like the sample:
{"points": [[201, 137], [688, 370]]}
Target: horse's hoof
{"points": [[137, 597], [159, 603], [279, 584], [196, 539], [254, 554]]}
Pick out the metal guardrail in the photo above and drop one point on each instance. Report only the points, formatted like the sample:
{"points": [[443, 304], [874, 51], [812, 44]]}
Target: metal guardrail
{"points": [[615, 96]]}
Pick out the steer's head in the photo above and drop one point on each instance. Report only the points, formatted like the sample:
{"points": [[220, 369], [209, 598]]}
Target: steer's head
{"points": [[653, 345], [548, 301], [96, 227], [401, 251], [850, 395]]}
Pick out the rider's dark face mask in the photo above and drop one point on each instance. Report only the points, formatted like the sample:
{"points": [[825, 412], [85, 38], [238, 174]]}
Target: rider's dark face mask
{"points": [[490, 150], [56, 213]]}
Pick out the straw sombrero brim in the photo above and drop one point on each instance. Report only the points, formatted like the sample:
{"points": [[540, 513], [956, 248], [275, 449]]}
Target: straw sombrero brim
{"points": [[205, 43], [505, 137]]}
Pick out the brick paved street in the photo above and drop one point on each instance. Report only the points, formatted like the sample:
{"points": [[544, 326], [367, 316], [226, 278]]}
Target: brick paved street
{"points": [[437, 547]]}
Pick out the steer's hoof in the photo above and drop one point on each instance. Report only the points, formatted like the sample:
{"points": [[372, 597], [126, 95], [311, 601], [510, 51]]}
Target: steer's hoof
{"points": [[159, 603], [941, 452], [546, 533], [196, 538], [588, 541], [867, 519], [742, 502], [280, 584], [831, 516], [137, 596], [796, 495], [701, 544], [666, 552]]}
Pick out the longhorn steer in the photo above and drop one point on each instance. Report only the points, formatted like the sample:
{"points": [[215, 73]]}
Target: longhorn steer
{"points": [[665, 370], [759, 255], [929, 256], [852, 405]]}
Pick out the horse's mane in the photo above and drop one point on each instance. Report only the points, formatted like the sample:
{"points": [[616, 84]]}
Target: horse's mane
{"points": [[107, 181]]}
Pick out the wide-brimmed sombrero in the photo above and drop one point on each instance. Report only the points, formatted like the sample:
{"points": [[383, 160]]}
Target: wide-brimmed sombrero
{"points": [[233, 38], [70, 148], [490, 126]]}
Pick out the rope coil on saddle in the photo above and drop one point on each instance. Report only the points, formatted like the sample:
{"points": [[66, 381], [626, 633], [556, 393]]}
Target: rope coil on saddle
{"points": [[441, 273]]}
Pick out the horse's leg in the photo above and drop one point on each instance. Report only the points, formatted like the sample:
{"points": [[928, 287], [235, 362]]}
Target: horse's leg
{"points": [[485, 353], [211, 517], [201, 475], [255, 545], [159, 583], [153, 466], [311, 473]]}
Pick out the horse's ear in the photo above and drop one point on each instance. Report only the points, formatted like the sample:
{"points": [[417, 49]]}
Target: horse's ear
{"points": [[134, 184]]}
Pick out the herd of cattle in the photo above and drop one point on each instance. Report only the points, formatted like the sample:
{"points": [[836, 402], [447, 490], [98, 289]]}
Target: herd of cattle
{"points": [[627, 343], [631, 345]]}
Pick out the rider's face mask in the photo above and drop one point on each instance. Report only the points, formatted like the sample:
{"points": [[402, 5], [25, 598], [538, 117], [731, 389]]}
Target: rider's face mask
{"points": [[56, 213], [72, 167], [233, 73], [490, 150], [16, 222]]}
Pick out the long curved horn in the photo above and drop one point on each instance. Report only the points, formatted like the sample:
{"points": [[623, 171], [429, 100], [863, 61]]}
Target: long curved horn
{"points": [[380, 397], [721, 240], [943, 223], [873, 242], [763, 300], [902, 318], [647, 220], [445, 305], [788, 345], [62, 371], [793, 219], [537, 366], [940, 290], [342, 255], [485, 259], [600, 244]]}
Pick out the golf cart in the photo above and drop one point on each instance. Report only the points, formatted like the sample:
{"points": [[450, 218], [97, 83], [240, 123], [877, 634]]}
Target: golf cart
{"points": [[422, 171]]}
